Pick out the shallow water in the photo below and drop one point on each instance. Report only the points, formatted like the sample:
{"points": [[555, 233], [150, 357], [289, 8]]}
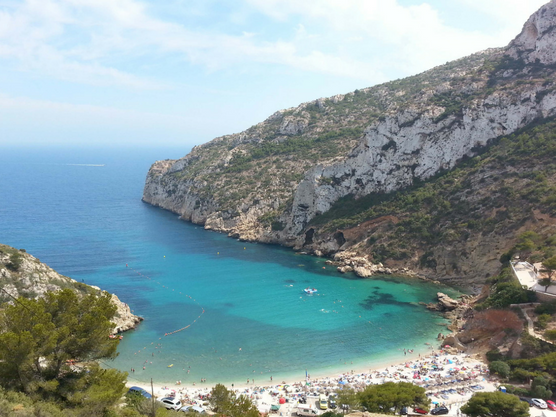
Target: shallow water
{"points": [[247, 315]]}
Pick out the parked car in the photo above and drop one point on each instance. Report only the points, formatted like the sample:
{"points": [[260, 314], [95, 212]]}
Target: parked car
{"points": [[539, 403], [332, 401], [141, 391], [170, 403], [193, 408], [403, 411], [440, 410], [551, 405], [420, 411], [527, 400]]}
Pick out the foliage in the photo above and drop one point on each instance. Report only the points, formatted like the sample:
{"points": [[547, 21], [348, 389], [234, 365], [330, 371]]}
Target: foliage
{"points": [[480, 197], [348, 397], [539, 387], [546, 308], [241, 406], [549, 265], [505, 293], [495, 404], [227, 403], [500, 368], [545, 282], [383, 397], [550, 335], [40, 337], [15, 262], [330, 413], [219, 398], [323, 144], [543, 320]]}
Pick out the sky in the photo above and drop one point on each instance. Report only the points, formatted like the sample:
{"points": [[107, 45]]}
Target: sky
{"points": [[181, 72]]}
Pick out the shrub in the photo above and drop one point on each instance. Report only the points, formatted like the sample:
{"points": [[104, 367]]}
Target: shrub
{"points": [[543, 320], [545, 308], [494, 355], [550, 335], [15, 262], [500, 368]]}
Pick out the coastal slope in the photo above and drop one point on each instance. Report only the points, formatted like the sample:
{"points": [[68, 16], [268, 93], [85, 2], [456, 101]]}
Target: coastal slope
{"points": [[285, 180], [24, 275]]}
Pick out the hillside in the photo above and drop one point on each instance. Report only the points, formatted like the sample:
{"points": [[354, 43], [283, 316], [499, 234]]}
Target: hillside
{"points": [[24, 275], [325, 177]]}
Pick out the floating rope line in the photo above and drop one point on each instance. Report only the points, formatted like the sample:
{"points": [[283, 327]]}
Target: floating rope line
{"points": [[188, 296]]}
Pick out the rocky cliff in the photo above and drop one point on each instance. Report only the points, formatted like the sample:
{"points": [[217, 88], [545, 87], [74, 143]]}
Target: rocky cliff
{"points": [[277, 180], [24, 275]]}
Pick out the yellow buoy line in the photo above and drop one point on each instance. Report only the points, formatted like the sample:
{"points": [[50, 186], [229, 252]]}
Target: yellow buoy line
{"points": [[159, 345]]}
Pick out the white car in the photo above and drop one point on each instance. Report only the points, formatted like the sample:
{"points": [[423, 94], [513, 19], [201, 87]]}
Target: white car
{"points": [[539, 403], [193, 408], [170, 403]]}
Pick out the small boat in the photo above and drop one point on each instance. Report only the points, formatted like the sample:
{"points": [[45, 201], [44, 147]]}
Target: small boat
{"points": [[310, 291], [169, 366]]}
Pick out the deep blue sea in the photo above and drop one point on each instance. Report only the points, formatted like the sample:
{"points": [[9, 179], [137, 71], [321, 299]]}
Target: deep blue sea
{"points": [[243, 302]]}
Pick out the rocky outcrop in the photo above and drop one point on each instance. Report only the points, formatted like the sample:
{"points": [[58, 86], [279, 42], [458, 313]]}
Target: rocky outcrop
{"points": [[393, 154], [274, 181], [535, 44], [445, 303], [362, 266], [24, 275]]}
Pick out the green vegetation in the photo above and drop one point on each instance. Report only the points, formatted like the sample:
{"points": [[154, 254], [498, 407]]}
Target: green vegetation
{"points": [[506, 290], [500, 368], [495, 404], [390, 396], [482, 196], [384, 398], [40, 339], [225, 402], [323, 146]]}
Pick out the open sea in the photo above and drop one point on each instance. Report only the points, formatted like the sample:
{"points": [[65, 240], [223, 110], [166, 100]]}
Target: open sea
{"points": [[239, 306]]}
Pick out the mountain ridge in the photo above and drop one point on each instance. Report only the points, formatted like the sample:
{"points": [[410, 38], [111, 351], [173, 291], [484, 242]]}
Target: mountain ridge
{"points": [[270, 182]]}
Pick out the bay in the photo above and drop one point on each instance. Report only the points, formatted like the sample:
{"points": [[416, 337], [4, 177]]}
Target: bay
{"points": [[80, 211]]}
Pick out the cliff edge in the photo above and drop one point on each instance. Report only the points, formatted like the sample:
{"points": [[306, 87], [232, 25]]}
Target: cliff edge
{"points": [[24, 275], [275, 181]]}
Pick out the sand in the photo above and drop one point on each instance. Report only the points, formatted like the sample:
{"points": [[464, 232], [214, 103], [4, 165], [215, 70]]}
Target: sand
{"points": [[437, 370]]}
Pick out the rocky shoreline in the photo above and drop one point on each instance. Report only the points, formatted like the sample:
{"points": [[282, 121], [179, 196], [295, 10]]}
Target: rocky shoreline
{"points": [[361, 266], [26, 276]]}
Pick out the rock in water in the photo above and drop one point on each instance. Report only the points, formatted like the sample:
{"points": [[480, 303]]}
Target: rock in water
{"points": [[446, 303]]}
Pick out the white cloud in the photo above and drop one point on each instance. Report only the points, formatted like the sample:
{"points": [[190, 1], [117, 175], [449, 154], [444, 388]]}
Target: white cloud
{"points": [[410, 38], [77, 40]]}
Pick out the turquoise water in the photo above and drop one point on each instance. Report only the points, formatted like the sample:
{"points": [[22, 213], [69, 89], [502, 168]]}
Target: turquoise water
{"points": [[243, 302]]}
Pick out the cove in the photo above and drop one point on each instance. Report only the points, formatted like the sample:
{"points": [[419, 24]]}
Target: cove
{"points": [[241, 303]]}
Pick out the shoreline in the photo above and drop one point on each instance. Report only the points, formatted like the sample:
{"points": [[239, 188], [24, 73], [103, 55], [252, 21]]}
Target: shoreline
{"points": [[469, 370], [316, 375], [358, 366]]}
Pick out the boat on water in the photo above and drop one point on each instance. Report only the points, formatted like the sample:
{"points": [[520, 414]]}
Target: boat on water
{"points": [[310, 291]]}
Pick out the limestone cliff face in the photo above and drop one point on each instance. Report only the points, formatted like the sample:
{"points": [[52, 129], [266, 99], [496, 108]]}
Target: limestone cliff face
{"points": [[412, 145], [270, 182], [24, 275]]}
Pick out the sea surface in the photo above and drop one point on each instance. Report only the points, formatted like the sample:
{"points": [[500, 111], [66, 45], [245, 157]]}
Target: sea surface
{"points": [[239, 307]]}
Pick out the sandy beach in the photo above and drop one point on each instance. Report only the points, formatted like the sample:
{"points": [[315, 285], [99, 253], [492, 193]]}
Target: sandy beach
{"points": [[449, 378]]}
